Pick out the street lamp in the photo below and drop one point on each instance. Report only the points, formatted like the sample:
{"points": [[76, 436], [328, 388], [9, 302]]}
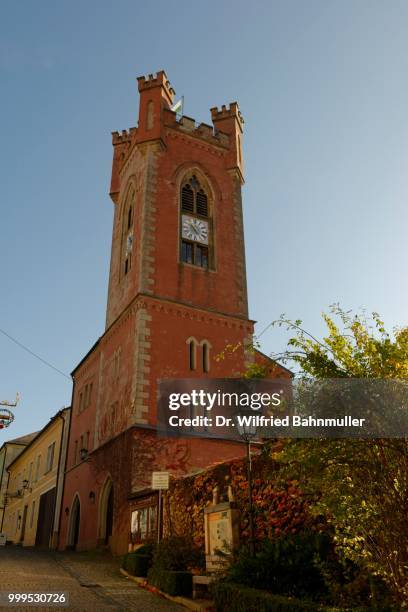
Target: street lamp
{"points": [[245, 424]]}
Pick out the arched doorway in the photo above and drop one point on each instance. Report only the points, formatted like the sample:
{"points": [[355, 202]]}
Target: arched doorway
{"points": [[106, 502], [74, 524]]}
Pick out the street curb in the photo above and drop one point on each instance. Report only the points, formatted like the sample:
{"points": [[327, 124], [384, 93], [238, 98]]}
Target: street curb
{"points": [[196, 606]]}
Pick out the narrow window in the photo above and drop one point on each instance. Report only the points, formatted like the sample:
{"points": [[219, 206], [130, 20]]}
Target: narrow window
{"points": [[75, 452], [187, 199], [206, 357], [80, 402], [87, 441], [192, 354], [201, 256], [37, 468], [127, 232], [202, 204], [50, 457], [187, 252]]}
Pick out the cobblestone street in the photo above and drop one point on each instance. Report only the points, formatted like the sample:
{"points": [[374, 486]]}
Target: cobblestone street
{"points": [[91, 580]]}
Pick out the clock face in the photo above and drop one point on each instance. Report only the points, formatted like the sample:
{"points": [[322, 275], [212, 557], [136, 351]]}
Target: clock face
{"points": [[194, 229]]}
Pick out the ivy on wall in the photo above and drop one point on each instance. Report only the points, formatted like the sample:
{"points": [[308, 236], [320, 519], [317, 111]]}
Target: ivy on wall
{"points": [[277, 509]]}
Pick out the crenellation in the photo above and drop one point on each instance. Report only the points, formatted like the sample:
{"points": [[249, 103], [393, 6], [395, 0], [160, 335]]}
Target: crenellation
{"points": [[226, 112], [158, 80], [204, 131], [187, 123], [125, 136]]}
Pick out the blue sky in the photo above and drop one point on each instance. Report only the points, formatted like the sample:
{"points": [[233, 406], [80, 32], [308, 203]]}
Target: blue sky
{"points": [[323, 87]]}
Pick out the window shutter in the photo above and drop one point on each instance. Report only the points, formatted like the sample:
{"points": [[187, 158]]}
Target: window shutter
{"points": [[187, 199], [202, 204]]}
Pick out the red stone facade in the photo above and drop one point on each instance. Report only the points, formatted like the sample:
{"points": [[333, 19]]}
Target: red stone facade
{"points": [[158, 303]]}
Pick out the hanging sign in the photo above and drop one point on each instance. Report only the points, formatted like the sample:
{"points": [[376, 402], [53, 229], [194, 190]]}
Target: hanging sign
{"points": [[6, 418]]}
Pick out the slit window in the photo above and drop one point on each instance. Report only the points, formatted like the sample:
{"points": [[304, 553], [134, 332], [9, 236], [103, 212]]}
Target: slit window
{"points": [[127, 232], [192, 354], [206, 357]]}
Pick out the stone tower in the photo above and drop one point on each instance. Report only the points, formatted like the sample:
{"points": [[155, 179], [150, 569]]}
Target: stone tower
{"points": [[177, 297], [171, 180]]}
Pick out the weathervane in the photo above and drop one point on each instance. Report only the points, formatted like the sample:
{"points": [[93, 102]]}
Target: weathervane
{"points": [[6, 416]]}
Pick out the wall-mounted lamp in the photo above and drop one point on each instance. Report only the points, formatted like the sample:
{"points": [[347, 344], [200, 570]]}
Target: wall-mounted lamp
{"points": [[92, 497], [83, 454], [26, 486]]}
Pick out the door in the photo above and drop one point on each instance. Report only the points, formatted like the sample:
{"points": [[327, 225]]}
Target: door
{"points": [[45, 519]]}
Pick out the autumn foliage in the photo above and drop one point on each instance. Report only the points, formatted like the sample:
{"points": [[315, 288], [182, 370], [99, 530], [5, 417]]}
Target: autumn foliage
{"points": [[277, 510]]}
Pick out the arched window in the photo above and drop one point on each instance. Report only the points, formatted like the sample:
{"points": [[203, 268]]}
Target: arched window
{"points": [[205, 355], [196, 239], [127, 232], [192, 353]]}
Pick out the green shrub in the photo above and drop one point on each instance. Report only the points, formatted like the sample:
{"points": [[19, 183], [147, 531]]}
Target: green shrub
{"points": [[171, 582], [136, 564], [177, 553], [351, 586], [146, 549], [287, 566], [305, 565], [228, 596]]}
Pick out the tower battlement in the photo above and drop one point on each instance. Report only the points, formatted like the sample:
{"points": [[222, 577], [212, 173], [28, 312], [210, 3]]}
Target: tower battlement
{"points": [[226, 112], [124, 136], [188, 125], [158, 80], [157, 121]]}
